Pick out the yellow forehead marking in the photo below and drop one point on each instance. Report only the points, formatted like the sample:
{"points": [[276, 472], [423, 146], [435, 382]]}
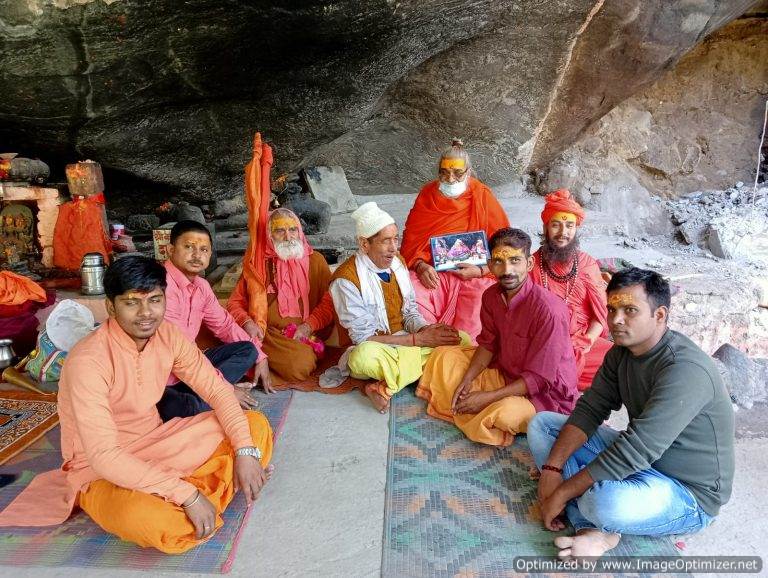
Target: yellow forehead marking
{"points": [[563, 216], [453, 164], [621, 300], [504, 253], [135, 295], [282, 223]]}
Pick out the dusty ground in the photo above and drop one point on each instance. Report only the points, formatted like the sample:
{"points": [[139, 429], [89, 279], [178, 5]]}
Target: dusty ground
{"points": [[322, 513]]}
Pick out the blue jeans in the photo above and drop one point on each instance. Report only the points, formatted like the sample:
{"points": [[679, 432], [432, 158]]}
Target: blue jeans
{"points": [[233, 360], [646, 503]]}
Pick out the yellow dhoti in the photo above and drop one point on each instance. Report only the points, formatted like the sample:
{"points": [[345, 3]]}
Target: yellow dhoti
{"points": [[498, 423], [396, 365], [148, 520]]}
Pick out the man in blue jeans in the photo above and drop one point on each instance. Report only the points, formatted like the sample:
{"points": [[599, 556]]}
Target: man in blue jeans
{"points": [[672, 468]]}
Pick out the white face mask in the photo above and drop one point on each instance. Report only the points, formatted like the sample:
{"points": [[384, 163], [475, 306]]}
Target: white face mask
{"points": [[453, 190]]}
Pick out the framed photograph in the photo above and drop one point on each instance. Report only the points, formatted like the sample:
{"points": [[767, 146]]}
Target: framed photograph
{"points": [[448, 251]]}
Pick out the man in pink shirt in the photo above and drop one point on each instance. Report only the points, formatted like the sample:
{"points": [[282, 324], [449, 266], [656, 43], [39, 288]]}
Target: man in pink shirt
{"points": [[524, 361], [190, 304]]}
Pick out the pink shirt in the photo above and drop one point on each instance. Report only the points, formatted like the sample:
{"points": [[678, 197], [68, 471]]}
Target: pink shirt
{"points": [[190, 304], [529, 339]]}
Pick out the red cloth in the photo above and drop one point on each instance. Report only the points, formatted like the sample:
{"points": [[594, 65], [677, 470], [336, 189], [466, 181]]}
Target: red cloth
{"points": [[529, 339], [561, 200], [433, 214], [291, 276], [80, 229], [586, 303]]}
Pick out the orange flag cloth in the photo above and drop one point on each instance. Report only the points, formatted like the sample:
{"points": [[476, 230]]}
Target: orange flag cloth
{"points": [[434, 214], [17, 289], [257, 195]]}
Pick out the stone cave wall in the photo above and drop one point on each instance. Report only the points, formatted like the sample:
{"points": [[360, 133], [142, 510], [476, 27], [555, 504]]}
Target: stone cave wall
{"points": [[696, 129], [166, 95]]}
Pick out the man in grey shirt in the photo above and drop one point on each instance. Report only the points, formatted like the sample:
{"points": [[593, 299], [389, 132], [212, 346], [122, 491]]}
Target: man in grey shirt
{"points": [[672, 468]]}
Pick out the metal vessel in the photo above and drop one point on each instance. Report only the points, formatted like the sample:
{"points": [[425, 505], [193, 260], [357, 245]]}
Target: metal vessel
{"points": [[6, 353], [92, 274]]}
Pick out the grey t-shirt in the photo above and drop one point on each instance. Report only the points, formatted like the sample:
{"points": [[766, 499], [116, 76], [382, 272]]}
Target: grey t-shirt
{"points": [[681, 419]]}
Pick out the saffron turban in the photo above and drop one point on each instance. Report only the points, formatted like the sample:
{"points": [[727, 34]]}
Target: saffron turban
{"points": [[370, 219], [560, 201]]}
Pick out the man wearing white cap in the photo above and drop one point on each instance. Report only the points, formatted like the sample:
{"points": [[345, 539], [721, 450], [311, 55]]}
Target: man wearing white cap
{"points": [[377, 313]]}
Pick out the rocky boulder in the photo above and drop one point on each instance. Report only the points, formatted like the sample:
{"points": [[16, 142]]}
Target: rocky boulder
{"points": [[166, 95]]}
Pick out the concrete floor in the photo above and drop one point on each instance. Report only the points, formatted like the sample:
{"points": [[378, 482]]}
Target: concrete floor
{"points": [[322, 513]]}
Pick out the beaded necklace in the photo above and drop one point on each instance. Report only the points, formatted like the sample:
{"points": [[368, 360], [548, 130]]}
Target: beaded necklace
{"points": [[569, 278]]}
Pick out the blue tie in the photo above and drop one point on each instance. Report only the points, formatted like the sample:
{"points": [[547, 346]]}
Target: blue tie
{"points": [[384, 277]]}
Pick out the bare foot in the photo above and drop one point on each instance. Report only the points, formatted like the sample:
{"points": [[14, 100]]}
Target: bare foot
{"points": [[380, 402], [589, 542]]}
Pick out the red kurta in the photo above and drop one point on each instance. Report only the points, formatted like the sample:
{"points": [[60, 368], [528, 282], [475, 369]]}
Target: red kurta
{"points": [[529, 336], [586, 303]]}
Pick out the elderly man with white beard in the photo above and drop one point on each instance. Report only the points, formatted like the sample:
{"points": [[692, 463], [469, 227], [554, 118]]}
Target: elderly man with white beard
{"points": [[299, 311]]}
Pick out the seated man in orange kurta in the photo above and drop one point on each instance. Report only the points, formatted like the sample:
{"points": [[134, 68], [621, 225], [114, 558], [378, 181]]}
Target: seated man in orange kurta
{"points": [[575, 277], [163, 485], [455, 203], [296, 293]]}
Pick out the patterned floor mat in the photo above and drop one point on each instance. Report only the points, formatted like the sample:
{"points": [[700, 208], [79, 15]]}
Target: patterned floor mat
{"points": [[457, 508], [81, 543]]}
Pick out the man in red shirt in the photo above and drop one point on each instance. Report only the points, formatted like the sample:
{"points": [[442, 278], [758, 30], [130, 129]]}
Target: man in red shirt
{"points": [[524, 360], [191, 303]]}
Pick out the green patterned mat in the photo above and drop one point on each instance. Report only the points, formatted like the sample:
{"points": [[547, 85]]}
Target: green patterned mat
{"points": [[458, 508]]}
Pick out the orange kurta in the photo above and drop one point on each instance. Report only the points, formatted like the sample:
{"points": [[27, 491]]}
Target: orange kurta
{"points": [[290, 359], [110, 428], [586, 303], [455, 301]]}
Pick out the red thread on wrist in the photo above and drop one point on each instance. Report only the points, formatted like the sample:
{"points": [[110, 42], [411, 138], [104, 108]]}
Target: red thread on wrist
{"points": [[413, 338], [551, 468]]}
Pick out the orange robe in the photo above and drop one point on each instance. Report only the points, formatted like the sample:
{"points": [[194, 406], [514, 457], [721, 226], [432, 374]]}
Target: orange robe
{"points": [[111, 431], [289, 359], [455, 301], [586, 303]]}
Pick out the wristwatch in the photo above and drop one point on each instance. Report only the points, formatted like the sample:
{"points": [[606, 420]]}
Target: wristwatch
{"points": [[249, 451]]}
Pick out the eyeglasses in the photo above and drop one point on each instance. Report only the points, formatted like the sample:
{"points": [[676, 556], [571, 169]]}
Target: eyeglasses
{"points": [[457, 174]]}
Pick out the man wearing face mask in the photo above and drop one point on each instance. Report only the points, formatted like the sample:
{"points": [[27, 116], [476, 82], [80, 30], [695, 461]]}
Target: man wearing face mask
{"points": [[454, 203]]}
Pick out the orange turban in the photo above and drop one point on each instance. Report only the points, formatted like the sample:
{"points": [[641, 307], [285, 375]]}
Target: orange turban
{"points": [[560, 201]]}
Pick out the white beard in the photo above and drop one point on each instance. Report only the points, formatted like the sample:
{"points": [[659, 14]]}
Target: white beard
{"points": [[287, 250]]}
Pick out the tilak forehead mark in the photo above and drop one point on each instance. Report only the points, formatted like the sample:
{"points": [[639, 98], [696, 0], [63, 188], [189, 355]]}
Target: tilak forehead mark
{"points": [[505, 253], [621, 299]]}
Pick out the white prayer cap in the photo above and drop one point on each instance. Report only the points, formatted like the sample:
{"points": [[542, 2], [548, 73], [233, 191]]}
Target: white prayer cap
{"points": [[370, 219]]}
